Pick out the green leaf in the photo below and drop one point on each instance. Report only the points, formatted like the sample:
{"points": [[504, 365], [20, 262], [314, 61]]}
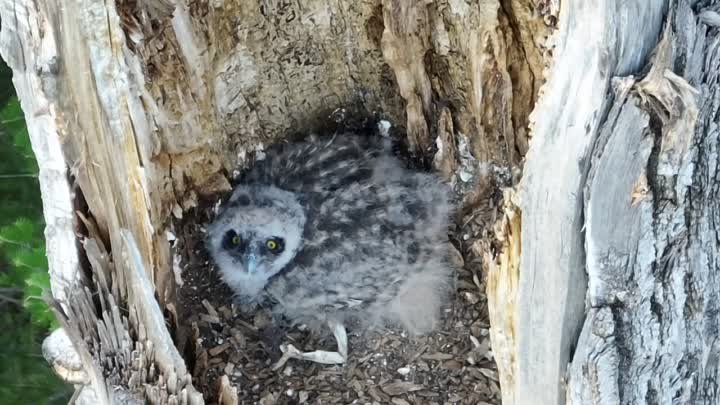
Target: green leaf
{"points": [[11, 113], [39, 279], [41, 318], [23, 232], [19, 196], [30, 258]]}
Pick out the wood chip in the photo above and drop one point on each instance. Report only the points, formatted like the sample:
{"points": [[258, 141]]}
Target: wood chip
{"points": [[201, 361], [427, 394], [269, 399], [491, 374], [418, 353], [377, 395], [218, 349], [438, 356], [206, 318], [210, 309], [227, 394], [451, 365], [400, 387], [226, 312], [471, 298]]}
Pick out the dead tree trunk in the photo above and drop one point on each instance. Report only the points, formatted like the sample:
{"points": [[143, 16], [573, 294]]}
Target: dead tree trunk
{"points": [[651, 329], [600, 277]]}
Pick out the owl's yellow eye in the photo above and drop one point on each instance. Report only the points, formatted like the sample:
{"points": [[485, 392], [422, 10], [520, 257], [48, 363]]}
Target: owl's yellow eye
{"points": [[271, 244], [235, 240]]}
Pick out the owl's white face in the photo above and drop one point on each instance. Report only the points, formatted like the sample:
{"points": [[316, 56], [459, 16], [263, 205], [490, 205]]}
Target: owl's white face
{"points": [[255, 237]]}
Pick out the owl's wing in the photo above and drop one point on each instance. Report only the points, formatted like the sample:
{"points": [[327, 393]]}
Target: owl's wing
{"points": [[321, 166], [366, 238]]}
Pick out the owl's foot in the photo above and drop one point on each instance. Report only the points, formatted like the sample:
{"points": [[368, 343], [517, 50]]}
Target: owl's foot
{"points": [[318, 356]]}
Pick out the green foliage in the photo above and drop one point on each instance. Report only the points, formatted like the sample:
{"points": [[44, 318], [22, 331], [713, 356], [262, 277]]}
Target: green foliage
{"points": [[22, 246], [25, 319], [18, 184], [21, 242]]}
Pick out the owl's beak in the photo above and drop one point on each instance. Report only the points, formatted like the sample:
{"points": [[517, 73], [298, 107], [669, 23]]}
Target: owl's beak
{"points": [[251, 265]]}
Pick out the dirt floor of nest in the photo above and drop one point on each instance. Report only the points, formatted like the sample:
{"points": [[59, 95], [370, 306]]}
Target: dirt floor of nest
{"points": [[453, 365]]}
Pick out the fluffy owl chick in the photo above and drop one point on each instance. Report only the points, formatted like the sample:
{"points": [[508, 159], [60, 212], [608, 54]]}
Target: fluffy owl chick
{"points": [[337, 231]]}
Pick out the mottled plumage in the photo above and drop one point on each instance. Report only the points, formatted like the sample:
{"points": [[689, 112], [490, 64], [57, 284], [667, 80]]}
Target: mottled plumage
{"points": [[337, 230]]}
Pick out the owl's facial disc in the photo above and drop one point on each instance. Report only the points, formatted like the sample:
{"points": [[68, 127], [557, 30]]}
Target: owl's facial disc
{"points": [[255, 253], [255, 237]]}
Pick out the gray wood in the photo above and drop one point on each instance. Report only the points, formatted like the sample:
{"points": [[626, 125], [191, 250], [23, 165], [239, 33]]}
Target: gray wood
{"points": [[651, 214], [596, 41]]}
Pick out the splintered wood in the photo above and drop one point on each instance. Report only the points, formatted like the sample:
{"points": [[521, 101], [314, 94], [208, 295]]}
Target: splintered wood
{"points": [[119, 334]]}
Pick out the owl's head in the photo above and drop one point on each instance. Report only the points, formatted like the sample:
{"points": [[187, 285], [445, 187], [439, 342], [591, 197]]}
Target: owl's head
{"points": [[256, 235]]}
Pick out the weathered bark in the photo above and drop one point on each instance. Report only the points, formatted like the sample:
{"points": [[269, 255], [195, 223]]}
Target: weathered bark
{"points": [[152, 105], [89, 136], [650, 335], [632, 207], [534, 337]]}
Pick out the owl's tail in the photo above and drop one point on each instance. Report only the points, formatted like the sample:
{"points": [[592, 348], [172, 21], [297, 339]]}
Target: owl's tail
{"points": [[421, 298]]}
